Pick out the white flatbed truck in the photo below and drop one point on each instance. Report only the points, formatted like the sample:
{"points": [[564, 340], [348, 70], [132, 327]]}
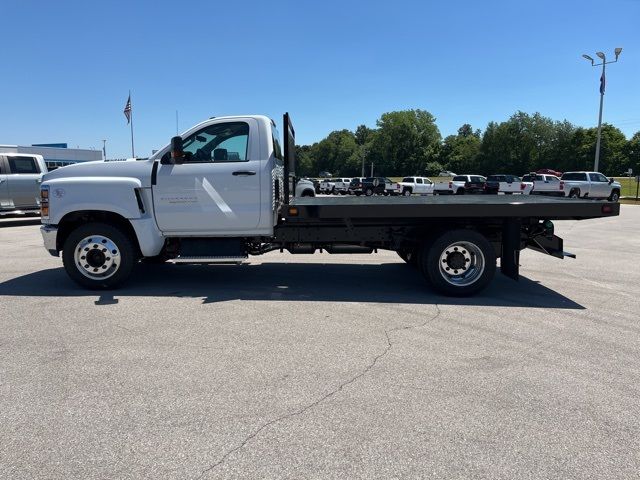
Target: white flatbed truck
{"points": [[220, 193]]}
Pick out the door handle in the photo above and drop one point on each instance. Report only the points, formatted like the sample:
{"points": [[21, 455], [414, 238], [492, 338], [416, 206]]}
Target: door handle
{"points": [[244, 173]]}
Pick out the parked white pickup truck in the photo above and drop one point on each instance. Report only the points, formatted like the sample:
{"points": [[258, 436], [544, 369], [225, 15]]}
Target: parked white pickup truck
{"points": [[327, 185], [461, 185], [416, 185], [341, 185], [544, 184], [20, 177], [591, 185], [217, 194]]}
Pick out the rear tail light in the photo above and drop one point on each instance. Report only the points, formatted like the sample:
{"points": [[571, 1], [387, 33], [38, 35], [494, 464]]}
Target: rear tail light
{"points": [[450, 184], [522, 186], [561, 185]]}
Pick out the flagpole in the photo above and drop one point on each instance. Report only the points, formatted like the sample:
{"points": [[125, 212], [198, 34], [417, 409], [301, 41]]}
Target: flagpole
{"points": [[133, 152]]}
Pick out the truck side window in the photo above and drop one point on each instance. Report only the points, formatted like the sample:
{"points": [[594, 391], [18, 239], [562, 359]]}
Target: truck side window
{"points": [[418, 180], [221, 142], [23, 165]]}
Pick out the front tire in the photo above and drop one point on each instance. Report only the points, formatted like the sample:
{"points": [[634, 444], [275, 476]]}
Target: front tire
{"points": [[615, 196], [98, 256], [459, 263]]}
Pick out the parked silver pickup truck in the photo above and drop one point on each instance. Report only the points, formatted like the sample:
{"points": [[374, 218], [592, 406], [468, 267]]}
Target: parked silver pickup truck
{"points": [[20, 178], [590, 185]]}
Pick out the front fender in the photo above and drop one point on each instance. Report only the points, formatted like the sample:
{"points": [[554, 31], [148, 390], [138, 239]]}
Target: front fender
{"points": [[108, 194]]}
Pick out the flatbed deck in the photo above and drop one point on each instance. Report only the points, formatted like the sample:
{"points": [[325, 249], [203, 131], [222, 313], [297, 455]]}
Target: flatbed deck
{"points": [[463, 206]]}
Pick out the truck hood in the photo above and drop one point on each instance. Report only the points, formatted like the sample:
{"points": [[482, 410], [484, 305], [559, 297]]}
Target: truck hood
{"points": [[140, 169]]}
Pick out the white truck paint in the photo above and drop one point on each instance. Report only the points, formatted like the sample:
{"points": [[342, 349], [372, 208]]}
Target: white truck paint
{"points": [[416, 185], [208, 197], [460, 185], [20, 178], [327, 185], [545, 184], [341, 185], [591, 185], [508, 185]]}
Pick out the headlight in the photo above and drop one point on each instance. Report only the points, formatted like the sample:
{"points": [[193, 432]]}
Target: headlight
{"points": [[44, 201]]}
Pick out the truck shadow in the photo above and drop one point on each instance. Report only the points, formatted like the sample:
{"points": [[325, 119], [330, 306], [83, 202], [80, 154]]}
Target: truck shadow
{"points": [[294, 282]]}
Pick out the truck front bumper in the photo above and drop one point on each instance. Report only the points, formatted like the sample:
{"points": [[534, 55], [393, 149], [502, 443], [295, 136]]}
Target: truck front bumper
{"points": [[49, 237]]}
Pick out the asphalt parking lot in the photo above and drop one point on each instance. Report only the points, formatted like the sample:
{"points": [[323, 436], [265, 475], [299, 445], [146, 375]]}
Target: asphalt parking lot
{"points": [[323, 367]]}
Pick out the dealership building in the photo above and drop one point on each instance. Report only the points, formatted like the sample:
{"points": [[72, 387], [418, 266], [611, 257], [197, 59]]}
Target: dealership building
{"points": [[55, 154]]}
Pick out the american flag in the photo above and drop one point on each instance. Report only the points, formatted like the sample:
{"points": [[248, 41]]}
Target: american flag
{"points": [[127, 110]]}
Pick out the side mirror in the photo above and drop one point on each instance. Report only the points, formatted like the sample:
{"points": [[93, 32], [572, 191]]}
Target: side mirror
{"points": [[610, 181], [177, 154]]}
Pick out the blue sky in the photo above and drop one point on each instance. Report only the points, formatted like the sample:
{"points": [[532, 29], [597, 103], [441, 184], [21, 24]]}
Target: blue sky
{"points": [[68, 66]]}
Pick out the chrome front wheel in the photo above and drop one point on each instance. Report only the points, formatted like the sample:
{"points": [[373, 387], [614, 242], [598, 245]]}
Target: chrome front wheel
{"points": [[97, 257]]}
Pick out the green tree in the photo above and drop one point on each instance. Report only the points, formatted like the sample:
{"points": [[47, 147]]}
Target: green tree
{"points": [[363, 134], [614, 151], [524, 143], [632, 152], [337, 153], [459, 152], [404, 142]]}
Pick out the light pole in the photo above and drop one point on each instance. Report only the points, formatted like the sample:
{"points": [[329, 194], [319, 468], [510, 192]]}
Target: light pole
{"points": [[604, 63], [104, 149]]}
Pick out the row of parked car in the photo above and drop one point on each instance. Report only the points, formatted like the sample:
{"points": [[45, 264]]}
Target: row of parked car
{"points": [[570, 184]]}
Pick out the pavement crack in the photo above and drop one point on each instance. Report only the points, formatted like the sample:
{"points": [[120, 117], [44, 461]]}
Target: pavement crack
{"points": [[387, 332]]}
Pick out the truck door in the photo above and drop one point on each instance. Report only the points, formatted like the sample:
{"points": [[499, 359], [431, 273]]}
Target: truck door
{"points": [[217, 187], [24, 181], [4, 186], [599, 186]]}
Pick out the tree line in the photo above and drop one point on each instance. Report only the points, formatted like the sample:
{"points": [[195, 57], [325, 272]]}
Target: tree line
{"points": [[409, 142]]}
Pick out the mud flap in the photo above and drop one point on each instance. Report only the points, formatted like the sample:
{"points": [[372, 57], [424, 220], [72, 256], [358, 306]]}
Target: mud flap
{"points": [[510, 257]]}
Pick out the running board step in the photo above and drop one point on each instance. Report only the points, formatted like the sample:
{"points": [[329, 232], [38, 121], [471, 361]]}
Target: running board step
{"points": [[189, 259]]}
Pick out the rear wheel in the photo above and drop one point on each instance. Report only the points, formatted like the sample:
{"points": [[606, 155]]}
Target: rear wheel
{"points": [[460, 191], [575, 193], [459, 263], [406, 192], [368, 192], [98, 256]]}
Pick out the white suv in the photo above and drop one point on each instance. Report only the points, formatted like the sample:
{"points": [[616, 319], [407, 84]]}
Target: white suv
{"points": [[20, 178]]}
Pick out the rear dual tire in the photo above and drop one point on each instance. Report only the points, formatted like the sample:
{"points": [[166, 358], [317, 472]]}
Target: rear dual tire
{"points": [[458, 263]]}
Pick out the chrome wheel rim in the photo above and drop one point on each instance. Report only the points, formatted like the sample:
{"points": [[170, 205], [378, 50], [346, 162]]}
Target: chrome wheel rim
{"points": [[461, 264], [97, 257]]}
